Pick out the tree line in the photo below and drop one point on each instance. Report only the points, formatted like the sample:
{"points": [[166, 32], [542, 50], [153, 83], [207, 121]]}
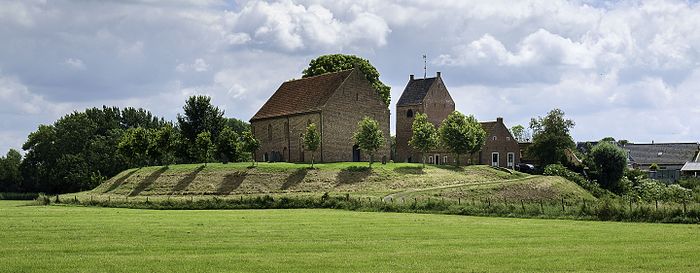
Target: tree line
{"points": [[82, 149]]}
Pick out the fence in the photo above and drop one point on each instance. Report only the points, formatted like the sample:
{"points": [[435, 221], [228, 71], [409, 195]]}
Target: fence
{"points": [[618, 209]]}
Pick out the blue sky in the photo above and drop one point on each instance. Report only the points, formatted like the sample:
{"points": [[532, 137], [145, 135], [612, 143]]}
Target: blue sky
{"points": [[627, 69]]}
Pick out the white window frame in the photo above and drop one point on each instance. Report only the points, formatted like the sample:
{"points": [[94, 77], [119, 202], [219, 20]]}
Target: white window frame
{"points": [[510, 158], [430, 160], [444, 160], [498, 159]]}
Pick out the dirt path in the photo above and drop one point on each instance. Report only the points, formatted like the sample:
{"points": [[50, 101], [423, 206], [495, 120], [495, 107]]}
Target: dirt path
{"points": [[404, 193]]}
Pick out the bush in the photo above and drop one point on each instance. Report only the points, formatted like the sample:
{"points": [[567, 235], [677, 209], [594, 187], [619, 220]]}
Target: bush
{"points": [[560, 170], [18, 195], [42, 200], [610, 163]]}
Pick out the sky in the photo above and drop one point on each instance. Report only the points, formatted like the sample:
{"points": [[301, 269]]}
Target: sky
{"points": [[627, 69]]}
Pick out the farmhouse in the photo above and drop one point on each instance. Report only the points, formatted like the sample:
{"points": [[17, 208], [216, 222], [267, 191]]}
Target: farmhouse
{"points": [[335, 102], [430, 96], [670, 157]]}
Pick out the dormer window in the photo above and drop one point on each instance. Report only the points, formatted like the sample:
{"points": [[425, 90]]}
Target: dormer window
{"points": [[409, 113]]}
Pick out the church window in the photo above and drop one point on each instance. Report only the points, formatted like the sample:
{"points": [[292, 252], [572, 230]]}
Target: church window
{"points": [[409, 113]]}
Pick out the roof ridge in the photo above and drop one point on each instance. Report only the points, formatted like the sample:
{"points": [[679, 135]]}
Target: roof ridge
{"points": [[316, 76]]}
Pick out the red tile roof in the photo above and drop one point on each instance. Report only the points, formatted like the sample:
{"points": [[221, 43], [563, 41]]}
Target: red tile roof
{"points": [[302, 96]]}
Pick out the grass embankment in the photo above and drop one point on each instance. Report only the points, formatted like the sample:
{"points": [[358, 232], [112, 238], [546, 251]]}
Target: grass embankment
{"points": [[88, 239], [340, 178]]}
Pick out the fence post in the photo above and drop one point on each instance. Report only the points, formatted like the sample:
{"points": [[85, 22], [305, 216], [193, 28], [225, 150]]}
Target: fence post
{"points": [[630, 204], [459, 200], [563, 209], [657, 204], [522, 204], [541, 206], [109, 198], [685, 210]]}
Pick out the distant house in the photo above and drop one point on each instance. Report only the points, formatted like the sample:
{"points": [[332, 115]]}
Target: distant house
{"points": [[430, 96], [500, 148], [335, 102], [670, 157], [692, 168]]}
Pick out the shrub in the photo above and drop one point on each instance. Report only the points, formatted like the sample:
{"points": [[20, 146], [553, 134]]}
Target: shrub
{"points": [[560, 170], [43, 200], [610, 162]]}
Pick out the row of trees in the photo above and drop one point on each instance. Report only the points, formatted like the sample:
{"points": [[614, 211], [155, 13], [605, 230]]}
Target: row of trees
{"points": [[81, 149], [458, 133]]}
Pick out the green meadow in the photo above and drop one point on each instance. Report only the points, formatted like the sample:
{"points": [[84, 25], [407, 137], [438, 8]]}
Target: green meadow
{"points": [[90, 239]]}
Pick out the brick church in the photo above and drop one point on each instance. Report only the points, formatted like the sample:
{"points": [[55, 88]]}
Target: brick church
{"points": [[335, 102], [430, 96]]}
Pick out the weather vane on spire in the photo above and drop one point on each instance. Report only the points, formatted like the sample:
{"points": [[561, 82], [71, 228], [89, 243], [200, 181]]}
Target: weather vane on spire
{"points": [[425, 66]]}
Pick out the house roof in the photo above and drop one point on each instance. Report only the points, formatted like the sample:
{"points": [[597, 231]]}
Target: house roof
{"points": [[415, 91], [488, 126], [691, 166], [662, 153], [302, 95]]}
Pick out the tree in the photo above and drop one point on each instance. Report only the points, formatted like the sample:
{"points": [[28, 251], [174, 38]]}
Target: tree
{"points": [[227, 145], [519, 133], [338, 62], [312, 139], [608, 139], [164, 143], [135, 144], [10, 176], [424, 136], [369, 137], [237, 125], [610, 162], [249, 144], [203, 147], [461, 134], [200, 116], [551, 137]]}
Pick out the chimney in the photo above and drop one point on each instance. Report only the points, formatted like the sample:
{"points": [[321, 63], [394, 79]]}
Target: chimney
{"points": [[412, 76], [499, 119], [438, 74]]}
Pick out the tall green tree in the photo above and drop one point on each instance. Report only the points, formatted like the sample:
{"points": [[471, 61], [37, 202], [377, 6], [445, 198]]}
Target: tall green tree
{"points": [[610, 163], [165, 141], [237, 125], [249, 144], [204, 147], [200, 116], [551, 137], [135, 144], [461, 134], [424, 136], [369, 137], [519, 133], [10, 176], [227, 145], [338, 62], [312, 140]]}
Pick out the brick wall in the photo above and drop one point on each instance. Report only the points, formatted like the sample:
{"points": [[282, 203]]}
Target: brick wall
{"points": [[503, 144], [354, 99]]}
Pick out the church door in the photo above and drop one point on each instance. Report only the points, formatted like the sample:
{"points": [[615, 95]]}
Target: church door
{"points": [[356, 153]]}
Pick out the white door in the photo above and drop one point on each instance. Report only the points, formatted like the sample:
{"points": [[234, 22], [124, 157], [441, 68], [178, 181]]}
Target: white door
{"points": [[494, 159], [511, 160]]}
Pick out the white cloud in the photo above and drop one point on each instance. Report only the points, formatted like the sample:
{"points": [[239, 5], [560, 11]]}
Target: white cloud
{"points": [[75, 63]]}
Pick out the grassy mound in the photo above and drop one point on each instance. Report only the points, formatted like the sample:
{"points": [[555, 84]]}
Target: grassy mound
{"points": [[352, 178]]}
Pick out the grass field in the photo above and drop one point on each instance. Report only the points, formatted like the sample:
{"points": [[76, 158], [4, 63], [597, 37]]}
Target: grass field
{"points": [[88, 239]]}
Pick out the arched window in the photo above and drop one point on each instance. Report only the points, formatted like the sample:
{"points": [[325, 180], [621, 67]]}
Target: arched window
{"points": [[495, 138], [409, 113], [269, 131]]}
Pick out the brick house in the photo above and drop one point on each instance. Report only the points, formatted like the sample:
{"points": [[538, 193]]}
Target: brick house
{"points": [[500, 147], [430, 96], [335, 102]]}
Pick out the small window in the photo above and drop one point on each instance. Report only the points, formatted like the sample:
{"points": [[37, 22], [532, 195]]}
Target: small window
{"points": [[357, 97], [409, 113], [444, 160], [495, 138]]}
